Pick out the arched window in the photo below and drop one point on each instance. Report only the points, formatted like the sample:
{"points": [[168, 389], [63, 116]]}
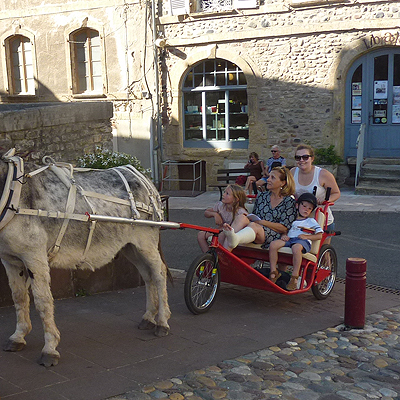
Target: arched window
{"points": [[215, 105], [20, 66], [87, 62]]}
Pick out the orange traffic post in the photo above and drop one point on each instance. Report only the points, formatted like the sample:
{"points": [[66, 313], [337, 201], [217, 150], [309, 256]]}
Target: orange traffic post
{"points": [[355, 293]]}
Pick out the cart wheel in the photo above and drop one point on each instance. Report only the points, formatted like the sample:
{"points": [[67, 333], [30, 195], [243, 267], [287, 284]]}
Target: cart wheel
{"points": [[327, 260], [201, 284]]}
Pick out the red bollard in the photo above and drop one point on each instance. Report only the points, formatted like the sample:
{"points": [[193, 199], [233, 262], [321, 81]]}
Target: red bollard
{"points": [[355, 293]]}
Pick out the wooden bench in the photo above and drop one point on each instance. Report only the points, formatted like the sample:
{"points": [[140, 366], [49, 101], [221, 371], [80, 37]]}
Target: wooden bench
{"points": [[227, 176]]}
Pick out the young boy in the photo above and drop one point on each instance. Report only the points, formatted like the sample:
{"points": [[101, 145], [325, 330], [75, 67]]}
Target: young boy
{"points": [[304, 229]]}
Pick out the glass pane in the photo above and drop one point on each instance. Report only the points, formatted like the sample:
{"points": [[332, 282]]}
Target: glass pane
{"points": [[198, 80], [96, 68], [232, 78], [209, 80], [242, 79], [381, 68], [189, 80], [97, 84], [396, 70], [28, 57], [31, 86], [220, 81], [199, 68], [82, 85], [29, 71], [221, 64], [96, 53], [209, 66]]}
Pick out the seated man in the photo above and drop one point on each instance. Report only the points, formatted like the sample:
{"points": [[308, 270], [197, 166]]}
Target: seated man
{"points": [[275, 161]]}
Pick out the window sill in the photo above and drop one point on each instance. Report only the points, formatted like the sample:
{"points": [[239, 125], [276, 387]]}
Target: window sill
{"points": [[233, 144], [89, 95], [22, 96]]}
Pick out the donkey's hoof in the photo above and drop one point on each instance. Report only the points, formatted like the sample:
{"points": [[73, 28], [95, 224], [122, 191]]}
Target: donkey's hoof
{"points": [[13, 346], [161, 331], [146, 325], [49, 360]]}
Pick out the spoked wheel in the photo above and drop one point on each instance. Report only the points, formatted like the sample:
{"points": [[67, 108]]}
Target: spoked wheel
{"points": [[327, 261], [202, 283]]}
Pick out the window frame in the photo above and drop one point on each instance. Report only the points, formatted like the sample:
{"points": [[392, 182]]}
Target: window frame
{"points": [[9, 77], [225, 94], [73, 69]]}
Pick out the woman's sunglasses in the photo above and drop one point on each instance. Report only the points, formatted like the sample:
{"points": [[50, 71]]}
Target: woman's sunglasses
{"points": [[305, 157]]}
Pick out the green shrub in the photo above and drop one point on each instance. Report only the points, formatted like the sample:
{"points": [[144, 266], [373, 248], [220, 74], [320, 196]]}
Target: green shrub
{"points": [[102, 159], [327, 156]]}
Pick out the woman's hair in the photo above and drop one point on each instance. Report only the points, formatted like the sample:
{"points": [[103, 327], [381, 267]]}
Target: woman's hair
{"points": [[240, 198], [305, 147], [285, 175], [254, 154]]}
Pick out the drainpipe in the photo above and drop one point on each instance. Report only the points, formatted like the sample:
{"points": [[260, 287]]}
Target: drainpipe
{"points": [[156, 139]]}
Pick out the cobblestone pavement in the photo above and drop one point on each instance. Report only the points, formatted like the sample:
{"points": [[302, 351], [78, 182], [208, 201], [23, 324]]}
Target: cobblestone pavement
{"points": [[334, 364]]}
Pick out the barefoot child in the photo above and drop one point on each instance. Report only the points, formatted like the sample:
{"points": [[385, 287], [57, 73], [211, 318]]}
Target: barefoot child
{"points": [[224, 211], [299, 238]]}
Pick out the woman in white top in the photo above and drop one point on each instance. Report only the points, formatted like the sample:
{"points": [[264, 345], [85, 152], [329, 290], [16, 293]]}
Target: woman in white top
{"points": [[306, 176]]}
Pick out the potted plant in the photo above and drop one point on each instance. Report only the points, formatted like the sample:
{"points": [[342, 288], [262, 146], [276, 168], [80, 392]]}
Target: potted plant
{"points": [[327, 158]]}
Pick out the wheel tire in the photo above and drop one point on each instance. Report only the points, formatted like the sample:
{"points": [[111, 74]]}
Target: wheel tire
{"points": [[202, 283], [327, 260]]}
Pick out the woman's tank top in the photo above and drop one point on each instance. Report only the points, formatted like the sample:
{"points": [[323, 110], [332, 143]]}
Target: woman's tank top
{"points": [[300, 189]]}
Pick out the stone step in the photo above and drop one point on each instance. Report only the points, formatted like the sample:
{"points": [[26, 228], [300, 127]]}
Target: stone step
{"points": [[382, 161], [379, 181], [377, 190], [380, 170]]}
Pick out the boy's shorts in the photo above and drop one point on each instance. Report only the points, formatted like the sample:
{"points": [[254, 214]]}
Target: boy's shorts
{"points": [[305, 243]]}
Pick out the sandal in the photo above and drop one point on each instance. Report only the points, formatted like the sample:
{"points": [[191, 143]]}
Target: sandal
{"points": [[274, 276], [292, 285]]}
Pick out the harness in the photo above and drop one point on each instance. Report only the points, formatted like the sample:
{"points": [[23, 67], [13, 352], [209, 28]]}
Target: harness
{"points": [[9, 202]]}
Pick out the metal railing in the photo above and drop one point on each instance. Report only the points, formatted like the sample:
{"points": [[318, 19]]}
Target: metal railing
{"points": [[360, 152]]}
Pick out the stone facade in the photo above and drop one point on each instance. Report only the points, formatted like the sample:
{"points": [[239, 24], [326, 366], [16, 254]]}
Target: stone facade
{"points": [[295, 56], [63, 131]]}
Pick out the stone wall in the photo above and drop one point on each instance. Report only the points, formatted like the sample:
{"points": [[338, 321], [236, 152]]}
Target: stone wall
{"points": [[296, 60], [64, 131]]}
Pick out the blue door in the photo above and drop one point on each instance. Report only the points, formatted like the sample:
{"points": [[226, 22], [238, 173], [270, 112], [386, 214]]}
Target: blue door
{"points": [[373, 98]]}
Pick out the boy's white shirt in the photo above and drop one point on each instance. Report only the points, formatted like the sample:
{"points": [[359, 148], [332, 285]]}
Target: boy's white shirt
{"points": [[309, 223]]}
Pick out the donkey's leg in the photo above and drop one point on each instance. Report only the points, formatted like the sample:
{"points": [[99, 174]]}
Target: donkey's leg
{"points": [[153, 271], [19, 287], [45, 306]]}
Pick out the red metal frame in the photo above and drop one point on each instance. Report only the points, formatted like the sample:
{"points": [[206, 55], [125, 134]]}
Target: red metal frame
{"points": [[235, 267]]}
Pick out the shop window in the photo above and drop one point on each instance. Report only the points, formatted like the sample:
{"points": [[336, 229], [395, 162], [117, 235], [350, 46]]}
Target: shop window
{"points": [[215, 106], [87, 62], [21, 79]]}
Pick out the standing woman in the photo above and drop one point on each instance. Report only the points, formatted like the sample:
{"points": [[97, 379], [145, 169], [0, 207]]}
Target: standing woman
{"points": [[306, 176], [275, 209]]}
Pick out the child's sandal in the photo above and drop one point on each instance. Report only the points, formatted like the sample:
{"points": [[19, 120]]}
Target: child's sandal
{"points": [[274, 276], [292, 285]]}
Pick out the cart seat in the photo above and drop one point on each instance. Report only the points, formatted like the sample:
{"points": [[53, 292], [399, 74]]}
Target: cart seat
{"points": [[315, 245]]}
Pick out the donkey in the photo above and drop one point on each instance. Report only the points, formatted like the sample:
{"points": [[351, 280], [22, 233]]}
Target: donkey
{"points": [[45, 223]]}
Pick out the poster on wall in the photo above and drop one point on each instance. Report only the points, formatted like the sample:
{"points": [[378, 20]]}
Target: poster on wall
{"points": [[356, 102], [356, 89], [396, 114], [356, 116], [396, 94], [380, 89]]}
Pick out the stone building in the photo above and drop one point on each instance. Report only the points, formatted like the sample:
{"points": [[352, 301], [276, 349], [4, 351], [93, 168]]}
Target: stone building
{"points": [[78, 51], [241, 77], [214, 80]]}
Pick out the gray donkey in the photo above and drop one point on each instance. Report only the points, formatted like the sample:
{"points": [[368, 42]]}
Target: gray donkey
{"points": [[56, 216]]}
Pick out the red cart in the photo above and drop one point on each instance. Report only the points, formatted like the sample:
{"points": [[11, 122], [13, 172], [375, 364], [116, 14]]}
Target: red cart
{"points": [[242, 267]]}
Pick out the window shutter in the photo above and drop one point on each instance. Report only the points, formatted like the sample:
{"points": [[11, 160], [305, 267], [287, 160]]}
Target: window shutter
{"points": [[179, 7], [238, 4]]}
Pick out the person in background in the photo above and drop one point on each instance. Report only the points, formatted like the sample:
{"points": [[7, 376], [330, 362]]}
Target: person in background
{"points": [[273, 214], [224, 211], [256, 168], [306, 176], [304, 230], [275, 161]]}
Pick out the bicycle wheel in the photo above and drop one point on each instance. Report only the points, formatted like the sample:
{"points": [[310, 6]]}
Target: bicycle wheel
{"points": [[327, 260], [202, 283]]}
